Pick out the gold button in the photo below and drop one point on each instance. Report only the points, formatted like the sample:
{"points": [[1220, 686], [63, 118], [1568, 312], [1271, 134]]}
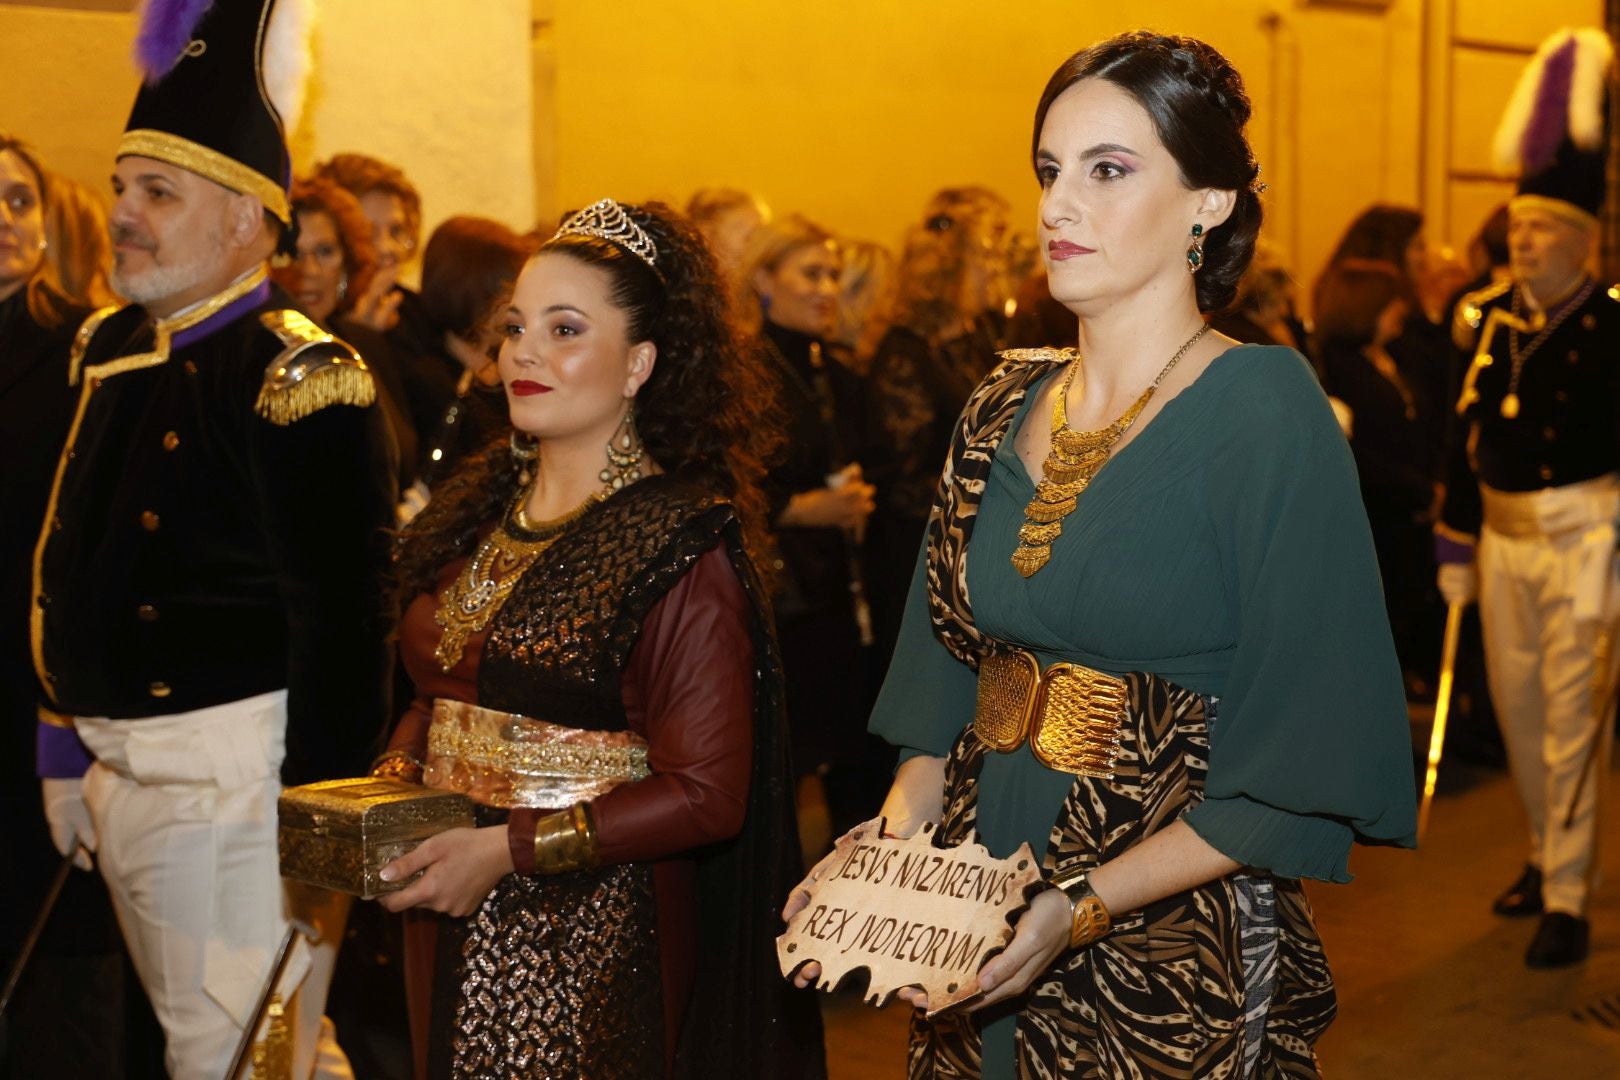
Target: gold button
{"points": [[146, 613], [171, 441], [1546, 472], [1589, 321], [191, 368], [149, 521], [159, 689]]}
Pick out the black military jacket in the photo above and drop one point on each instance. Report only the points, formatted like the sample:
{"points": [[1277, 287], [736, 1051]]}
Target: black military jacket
{"points": [[217, 526], [1565, 422]]}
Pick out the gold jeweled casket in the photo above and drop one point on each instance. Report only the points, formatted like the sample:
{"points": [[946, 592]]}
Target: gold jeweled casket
{"points": [[339, 834]]}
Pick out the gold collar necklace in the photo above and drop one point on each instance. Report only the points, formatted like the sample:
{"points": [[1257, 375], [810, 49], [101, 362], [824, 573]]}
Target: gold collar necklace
{"points": [[1071, 464], [468, 605]]}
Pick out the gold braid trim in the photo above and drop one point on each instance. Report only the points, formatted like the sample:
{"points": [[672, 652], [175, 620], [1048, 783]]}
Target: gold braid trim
{"points": [[81, 341], [209, 163], [272, 1058], [1565, 211]]}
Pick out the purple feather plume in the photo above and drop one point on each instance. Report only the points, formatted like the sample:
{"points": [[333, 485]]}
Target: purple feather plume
{"points": [[165, 31], [1549, 116]]}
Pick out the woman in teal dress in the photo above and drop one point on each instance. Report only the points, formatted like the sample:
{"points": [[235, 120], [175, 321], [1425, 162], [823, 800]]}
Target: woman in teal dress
{"points": [[1145, 633]]}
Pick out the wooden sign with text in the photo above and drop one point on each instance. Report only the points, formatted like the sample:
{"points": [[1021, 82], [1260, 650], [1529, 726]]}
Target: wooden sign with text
{"points": [[910, 913]]}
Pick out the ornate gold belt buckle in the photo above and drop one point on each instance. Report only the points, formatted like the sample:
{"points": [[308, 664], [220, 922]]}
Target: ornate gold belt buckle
{"points": [[1076, 728], [1009, 683]]}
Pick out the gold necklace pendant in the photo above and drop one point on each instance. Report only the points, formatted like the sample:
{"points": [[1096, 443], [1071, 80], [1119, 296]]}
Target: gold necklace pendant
{"points": [[1073, 461], [479, 592], [1510, 407]]}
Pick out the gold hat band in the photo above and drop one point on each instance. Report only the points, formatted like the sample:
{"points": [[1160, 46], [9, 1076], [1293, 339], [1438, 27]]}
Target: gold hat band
{"points": [[210, 164]]}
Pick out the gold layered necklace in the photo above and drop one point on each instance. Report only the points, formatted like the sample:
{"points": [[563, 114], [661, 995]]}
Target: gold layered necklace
{"points": [[479, 591], [1070, 466]]}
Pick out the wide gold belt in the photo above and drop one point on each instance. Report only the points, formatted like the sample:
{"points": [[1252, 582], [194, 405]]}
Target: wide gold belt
{"points": [[503, 759], [1071, 715]]}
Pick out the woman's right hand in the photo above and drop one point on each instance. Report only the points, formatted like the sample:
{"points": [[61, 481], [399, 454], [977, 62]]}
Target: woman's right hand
{"points": [[378, 306], [799, 898], [844, 507]]}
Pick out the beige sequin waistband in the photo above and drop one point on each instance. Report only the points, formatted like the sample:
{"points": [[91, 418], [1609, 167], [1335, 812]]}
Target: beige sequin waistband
{"points": [[1070, 714], [504, 760]]}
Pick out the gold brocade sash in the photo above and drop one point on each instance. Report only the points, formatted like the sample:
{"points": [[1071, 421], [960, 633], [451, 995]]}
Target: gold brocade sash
{"points": [[504, 760], [1070, 714]]}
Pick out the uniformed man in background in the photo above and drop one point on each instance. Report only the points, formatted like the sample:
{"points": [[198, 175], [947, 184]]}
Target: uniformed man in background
{"points": [[207, 617], [1535, 484]]}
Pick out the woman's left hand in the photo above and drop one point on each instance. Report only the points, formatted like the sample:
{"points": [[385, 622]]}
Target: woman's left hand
{"points": [[461, 867], [1042, 934]]}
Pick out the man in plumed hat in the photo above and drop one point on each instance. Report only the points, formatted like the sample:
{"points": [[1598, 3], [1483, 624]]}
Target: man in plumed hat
{"points": [[207, 620], [1535, 484]]}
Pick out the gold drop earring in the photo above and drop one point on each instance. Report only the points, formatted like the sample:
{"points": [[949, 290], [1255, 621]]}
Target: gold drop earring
{"points": [[624, 452]]}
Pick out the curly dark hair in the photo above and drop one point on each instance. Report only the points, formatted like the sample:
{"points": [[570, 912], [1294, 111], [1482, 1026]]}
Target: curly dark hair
{"points": [[1199, 109], [703, 415]]}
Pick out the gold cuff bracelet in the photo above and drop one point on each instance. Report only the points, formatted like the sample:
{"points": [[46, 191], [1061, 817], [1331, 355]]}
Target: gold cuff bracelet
{"points": [[1089, 918], [565, 841]]}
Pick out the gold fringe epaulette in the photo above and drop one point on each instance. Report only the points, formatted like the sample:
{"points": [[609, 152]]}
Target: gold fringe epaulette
{"points": [[1470, 312], [314, 370], [81, 341]]}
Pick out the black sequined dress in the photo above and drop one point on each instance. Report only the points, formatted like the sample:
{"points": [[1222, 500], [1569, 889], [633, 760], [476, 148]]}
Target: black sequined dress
{"points": [[646, 616]]}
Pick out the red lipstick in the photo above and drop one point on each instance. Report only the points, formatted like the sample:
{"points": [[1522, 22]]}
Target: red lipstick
{"points": [[528, 387], [1058, 250]]}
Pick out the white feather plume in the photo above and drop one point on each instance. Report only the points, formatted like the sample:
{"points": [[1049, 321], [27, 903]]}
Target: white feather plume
{"points": [[286, 61], [1594, 54]]}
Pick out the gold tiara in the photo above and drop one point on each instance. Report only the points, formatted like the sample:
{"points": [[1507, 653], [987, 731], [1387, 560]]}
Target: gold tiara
{"points": [[606, 220]]}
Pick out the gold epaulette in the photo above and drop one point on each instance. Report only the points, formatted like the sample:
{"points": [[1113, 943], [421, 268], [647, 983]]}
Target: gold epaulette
{"points": [[313, 371], [1470, 312], [81, 341]]}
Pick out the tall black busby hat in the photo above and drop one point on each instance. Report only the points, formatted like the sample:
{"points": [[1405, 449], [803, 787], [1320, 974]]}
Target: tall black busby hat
{"points": [[1555, 132], [222, 83]]}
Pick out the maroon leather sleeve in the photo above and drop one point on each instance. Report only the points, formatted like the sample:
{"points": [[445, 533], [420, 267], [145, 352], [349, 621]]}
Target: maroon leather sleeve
{"points": [[411, 733], [689, 688], [520, 824]]}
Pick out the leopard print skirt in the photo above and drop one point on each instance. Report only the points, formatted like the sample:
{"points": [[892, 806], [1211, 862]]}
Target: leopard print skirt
{"points": [[1225, 980]]}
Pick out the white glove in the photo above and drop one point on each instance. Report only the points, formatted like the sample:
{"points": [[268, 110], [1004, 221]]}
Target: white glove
{"points": [[1459, 582], [69, 817]]}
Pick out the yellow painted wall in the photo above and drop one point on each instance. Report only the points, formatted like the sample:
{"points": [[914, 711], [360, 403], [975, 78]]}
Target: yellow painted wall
{"points": [[853, 111], [440, 89]]}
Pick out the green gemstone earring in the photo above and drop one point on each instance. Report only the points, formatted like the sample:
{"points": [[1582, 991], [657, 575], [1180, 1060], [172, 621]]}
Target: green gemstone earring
{"points": [[1195, 250]]}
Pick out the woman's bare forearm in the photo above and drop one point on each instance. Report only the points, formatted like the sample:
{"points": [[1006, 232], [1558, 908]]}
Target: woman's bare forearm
{"points": [[1170, 861]]}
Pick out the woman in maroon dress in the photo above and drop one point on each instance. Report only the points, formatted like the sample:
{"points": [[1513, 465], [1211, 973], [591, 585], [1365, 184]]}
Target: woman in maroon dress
{"points": [[594, 666]]}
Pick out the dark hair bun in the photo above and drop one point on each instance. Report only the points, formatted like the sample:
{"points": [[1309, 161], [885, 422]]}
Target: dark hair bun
{"points": [[1199, 108]]}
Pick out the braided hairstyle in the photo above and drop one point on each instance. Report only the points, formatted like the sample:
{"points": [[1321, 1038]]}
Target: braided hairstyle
{"points": [[1199, 108], [701, 414]]}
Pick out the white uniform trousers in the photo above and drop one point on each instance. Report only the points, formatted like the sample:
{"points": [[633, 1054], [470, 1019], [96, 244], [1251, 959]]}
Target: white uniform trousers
{"points": [[1546, 589], [184, 808]]}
